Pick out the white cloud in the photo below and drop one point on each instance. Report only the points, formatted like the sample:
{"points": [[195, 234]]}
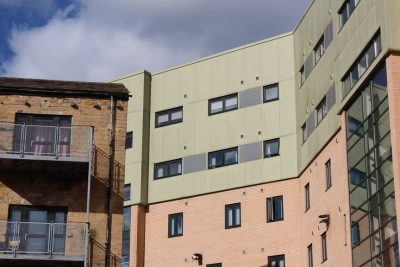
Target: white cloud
{"points": [[109, 38]]}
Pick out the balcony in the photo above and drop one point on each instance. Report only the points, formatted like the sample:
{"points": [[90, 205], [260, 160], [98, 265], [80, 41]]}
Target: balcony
{"points": [[43, 142], [43, 241]]}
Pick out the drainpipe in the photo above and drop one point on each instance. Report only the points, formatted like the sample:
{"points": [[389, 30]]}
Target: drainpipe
{"points": [[110, 183]]}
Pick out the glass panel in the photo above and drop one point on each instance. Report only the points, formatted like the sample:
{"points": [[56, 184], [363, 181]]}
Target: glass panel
{"points": [[216, 106], [391, 256], [271, 148], [278, 208], [230, 216], [358, 197], [162, 118], [230, 157], [176, 115], [356, 153], [362, 64], [355, 117], [231, 102], [161, 170], [215, 159], [361, 253], [172, 226], [175, 168], [356, 176], [354, 75], [346, 85], [271, 93], [237, 215], [370, 54]]}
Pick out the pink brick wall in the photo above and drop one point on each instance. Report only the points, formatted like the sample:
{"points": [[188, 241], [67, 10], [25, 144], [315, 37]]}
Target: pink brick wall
{"points": [[250, 245]]}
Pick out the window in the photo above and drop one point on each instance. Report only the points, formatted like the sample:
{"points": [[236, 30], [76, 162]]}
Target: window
{"points": [[129, 140], [324, 247], [222, 104], [168, 117], [127, 192], [214, 265], [276, 261], [167, 169], [304, 132], [310, 256], [232, 215], [222, 158], [302, 76], [175, 224], [354, 126], [357, 177], [44, 135], [126, 236], [307, 191], [346, 10], [271, 92], [362, 63], [275, 209], [321, 110], [271, 148], [355, 234], [319, 50], [328, 174]]}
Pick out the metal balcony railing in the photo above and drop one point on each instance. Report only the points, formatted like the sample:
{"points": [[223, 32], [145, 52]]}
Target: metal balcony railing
{"points": [[30, 240], [45, 142]]}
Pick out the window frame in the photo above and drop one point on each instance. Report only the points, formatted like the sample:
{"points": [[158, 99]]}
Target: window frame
{"points": [[271, 209], [126, 198], [223, 99], [271, 141], [169, 162], [223, 151], [319, 47], [268, 87], [276, 258], [234, 210], [322, 106], [310, 256], [129, 140], [324, 246], [170, 120], [307, 196], [328, 173], [304, 132], [174, 215]]}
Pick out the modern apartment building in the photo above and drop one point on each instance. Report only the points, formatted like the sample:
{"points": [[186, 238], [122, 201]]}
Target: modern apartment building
{"points": [[62, 155], [284, 152]]}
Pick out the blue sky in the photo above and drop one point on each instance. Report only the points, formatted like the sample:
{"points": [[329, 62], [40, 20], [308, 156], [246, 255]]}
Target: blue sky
{"points": [[103, 39]]}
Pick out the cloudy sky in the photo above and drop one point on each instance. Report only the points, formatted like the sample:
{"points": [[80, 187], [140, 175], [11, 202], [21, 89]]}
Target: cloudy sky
{"points": [[99, 40]]}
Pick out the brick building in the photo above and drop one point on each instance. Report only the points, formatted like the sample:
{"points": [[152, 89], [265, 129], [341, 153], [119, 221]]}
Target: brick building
{"points": [[283, 152], [62, 157]]}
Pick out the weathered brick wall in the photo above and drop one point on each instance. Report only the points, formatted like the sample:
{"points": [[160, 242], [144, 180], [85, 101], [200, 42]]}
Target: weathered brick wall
{"points": [[65, 184]]}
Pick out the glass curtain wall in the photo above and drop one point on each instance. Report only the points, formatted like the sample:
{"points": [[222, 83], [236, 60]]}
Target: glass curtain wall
{"points": [[126, 233], [372, 199]]}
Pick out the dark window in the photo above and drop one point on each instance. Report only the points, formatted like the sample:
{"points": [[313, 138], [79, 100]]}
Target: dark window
{"points": [[328, 174], [214, 265], [346, 10], [129, 140], [271, 148], [310, 256], [168, 117], [127, 192], [302, 75], [321, 110], [307, 192], [222, 104], [364, 60], [355, 234], [167, 169], [319, 50], [324, 247], [276, 261], [304, 132], [275, 209], [271, 92], [232, 215], [175, 224], [222, 158], [126, 233]]}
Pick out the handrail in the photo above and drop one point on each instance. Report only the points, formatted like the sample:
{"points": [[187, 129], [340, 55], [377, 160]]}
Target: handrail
{"points": [[43, 238], [26, 140]]}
